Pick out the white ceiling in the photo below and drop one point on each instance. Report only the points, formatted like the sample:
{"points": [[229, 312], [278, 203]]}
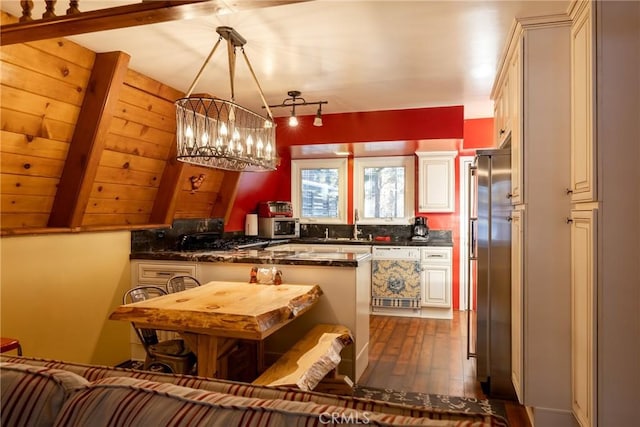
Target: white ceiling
{"points": [[357, 55]]}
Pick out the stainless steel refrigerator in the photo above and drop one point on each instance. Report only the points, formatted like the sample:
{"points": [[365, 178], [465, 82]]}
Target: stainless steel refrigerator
{"points": [[490, 240]]}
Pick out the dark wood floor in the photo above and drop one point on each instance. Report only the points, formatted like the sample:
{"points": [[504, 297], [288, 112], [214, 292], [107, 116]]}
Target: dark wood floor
{"points": [[428, 356]]}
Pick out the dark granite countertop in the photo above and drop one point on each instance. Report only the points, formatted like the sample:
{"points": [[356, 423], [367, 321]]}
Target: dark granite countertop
{"points": [[336, 259], [362, 242]]}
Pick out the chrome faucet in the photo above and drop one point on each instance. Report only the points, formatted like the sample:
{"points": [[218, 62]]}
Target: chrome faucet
{"points": [[356, 218]]}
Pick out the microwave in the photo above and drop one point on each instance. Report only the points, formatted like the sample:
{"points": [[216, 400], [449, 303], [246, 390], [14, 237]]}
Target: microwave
{"points": [[279, 228]]}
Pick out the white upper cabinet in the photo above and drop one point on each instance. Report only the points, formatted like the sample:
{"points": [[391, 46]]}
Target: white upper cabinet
{"points": [[501, 112], [436, 181], [583, 186], [508, 115], [515, 103]]}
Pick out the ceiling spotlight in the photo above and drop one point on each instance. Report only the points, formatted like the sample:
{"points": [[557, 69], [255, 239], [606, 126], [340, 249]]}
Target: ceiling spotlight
{"points": [[318, 120], [293, 120], [295, 100]]}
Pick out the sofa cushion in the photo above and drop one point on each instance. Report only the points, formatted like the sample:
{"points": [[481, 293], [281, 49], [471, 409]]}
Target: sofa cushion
{"points": [[130, 402], [93, 372], [32, 395]]}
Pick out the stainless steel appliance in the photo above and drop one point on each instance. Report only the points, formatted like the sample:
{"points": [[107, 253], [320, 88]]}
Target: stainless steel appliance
{"points": [[275, 209], [490, 240], [420, 229], [395, 277], [279, 228]]}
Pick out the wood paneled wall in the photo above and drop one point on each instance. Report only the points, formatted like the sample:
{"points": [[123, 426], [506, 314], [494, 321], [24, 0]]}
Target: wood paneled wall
{"points": [[86, 147]]}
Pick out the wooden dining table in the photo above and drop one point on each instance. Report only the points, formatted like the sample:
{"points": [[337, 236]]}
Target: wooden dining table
{"points": [[216, 313]]}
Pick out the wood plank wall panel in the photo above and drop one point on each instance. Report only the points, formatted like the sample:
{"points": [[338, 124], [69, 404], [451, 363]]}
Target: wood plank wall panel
{"points": [[199, 203], [42, 89], [135, 138], [136, 150]]}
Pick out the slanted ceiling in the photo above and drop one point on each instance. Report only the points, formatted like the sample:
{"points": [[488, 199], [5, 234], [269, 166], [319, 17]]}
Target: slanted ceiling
{"points": [[88, 143]]}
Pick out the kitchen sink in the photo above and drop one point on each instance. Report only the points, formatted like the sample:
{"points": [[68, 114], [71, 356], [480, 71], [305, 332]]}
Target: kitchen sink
{"points": [[333, 239], [318, 255]]}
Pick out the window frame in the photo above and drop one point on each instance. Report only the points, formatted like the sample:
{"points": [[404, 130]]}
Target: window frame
{"points": [[408, 162], [343, 188]]}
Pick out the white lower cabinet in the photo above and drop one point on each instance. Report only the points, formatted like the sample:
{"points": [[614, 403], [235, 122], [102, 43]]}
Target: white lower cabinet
{"points": [[158, 272], [583, 314], [436, 277], [517, 311]]}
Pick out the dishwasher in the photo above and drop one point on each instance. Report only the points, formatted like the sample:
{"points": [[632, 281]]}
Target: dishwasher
{"points": [[395, 277]]}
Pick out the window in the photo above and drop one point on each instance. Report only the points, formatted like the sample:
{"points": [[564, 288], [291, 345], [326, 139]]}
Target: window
{"points": [[383, 189], [319, 190]]}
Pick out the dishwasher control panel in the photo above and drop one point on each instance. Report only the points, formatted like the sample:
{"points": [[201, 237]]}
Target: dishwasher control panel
{"points": [[396, 252]]}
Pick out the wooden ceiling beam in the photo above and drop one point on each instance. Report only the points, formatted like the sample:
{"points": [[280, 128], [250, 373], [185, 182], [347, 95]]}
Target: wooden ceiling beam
{"points": [[88, 141], [147, 12]]}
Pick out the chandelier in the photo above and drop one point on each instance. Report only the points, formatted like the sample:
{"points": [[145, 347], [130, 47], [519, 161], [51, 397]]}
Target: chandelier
{"points": [[221, 134], [295, 100]]}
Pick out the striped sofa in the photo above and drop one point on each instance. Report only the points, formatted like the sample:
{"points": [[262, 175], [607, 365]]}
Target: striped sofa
{"points": [[40, 392]]}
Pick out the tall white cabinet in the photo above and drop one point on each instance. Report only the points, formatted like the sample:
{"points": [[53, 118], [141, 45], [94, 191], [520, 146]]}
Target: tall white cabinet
{"points": [[605, 226], [536, 66]]}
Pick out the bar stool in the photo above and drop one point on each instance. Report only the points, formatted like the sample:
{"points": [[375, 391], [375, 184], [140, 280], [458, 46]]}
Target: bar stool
{"points": [[8, 344]]}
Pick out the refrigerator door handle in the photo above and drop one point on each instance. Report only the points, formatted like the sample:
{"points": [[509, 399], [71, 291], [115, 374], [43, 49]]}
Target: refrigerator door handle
{"points": [[473, 222], [473, 233]]}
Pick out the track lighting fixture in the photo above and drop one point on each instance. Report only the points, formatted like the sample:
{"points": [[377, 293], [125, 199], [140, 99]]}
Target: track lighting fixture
{"points": [[295, 100]]}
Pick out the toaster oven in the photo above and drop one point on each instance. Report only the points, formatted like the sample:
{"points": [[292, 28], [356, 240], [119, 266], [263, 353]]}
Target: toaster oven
{"points": [[275, 209]]}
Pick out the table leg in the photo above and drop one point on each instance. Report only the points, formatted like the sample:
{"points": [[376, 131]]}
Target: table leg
{"points": [[260, 356], [206, 349]]}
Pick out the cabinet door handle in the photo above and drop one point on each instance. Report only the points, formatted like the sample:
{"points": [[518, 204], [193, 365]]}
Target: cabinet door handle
{"points": [[435, 256], [569, 191], [502, 131], [164, 273], [569, 220], [509, 195], [509, 218]]}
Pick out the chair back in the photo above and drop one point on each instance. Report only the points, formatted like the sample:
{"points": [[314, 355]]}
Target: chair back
{"points": [[141, 293], [181, 282]]}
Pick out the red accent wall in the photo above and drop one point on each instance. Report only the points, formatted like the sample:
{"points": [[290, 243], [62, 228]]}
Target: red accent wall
{"points": [[392, 125], [478, 134]]}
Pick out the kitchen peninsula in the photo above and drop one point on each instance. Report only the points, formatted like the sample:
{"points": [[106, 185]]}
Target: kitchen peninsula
{"points": [[344, 277]]}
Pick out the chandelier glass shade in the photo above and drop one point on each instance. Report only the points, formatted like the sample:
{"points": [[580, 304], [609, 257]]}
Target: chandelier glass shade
{"points": [[221, 134]]}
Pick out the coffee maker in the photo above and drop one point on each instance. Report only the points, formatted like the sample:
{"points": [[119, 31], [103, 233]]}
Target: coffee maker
{"points": [[420, 229]]}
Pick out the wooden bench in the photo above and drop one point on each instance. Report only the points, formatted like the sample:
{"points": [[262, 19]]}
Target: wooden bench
{"points": [[311, 364]]}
